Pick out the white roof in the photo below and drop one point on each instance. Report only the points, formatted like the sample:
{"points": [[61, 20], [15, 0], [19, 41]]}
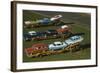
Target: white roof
{"points": [[64, 26], [58, 42], [56, 17], [32, 32], [28, 22], [59, 15]]}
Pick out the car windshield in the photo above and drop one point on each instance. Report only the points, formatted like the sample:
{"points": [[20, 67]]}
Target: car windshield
{"points": [[74, 38], [71, 38], [57, 43], [54, 44], [65, 42]]}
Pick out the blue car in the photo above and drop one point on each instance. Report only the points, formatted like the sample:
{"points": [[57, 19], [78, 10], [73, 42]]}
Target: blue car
{"points": [[44, 21], [74, 39], [62, 45]]}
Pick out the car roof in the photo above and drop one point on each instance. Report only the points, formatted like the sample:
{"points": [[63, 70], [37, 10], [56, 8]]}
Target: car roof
{"points": [[64, 26], [32, 32], [73, 37], [57, 42], [39, 44]]}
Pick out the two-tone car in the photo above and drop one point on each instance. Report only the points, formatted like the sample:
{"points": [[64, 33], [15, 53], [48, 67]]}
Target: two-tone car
{"points": [[74, 39], [57, 45], [61, 45]]}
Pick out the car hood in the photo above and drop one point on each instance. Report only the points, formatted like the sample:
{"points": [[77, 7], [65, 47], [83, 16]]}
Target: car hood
{"points": [[68, 41]]}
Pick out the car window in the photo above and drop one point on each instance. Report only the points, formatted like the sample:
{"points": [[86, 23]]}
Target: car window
{"points": [[74, 38], [54, 44], [59, 44], [77, 38], [71, 39]]}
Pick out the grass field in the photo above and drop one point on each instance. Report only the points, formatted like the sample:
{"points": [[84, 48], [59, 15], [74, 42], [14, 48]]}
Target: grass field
{"points": [[79, 26]]}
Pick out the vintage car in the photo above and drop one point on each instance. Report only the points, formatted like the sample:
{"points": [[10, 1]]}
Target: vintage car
{"points": [[40, 36], [61, 45], [57, 17], [30, 22], [65, 29], [44, 21], [37, 23], [27, 37], [51, 32], [57, 45], [74, 39], [36, 48], [32, 33]]}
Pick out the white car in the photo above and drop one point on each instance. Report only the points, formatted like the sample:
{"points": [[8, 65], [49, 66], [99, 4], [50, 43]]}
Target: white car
{"points": [[64, 26], [32, 33], [74, 39], [57, 45], [56, 17], [61, 45], [28, 22]]}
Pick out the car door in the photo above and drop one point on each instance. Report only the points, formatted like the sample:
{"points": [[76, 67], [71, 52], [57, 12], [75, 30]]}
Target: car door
{"points": [[59, 46]]}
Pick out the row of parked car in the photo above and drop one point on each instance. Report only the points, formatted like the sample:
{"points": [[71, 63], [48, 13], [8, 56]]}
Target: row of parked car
{"points": [[33, 35], [51, 33], [44, 22], [58, 45]]}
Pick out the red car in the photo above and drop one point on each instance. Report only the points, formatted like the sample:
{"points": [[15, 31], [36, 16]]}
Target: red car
{"points": [[36, 48]]}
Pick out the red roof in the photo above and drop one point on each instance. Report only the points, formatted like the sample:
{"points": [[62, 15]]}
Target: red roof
{"points": [[60, 30], [40, 46], [29, 50], [36, 48]]}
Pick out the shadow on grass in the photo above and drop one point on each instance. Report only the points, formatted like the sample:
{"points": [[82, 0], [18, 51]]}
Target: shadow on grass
{"points": [[85, 46], [82, 47]]}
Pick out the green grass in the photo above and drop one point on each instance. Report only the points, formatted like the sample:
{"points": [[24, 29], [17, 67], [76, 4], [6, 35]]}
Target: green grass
{"points": [[77, 27], [30, 16]]}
